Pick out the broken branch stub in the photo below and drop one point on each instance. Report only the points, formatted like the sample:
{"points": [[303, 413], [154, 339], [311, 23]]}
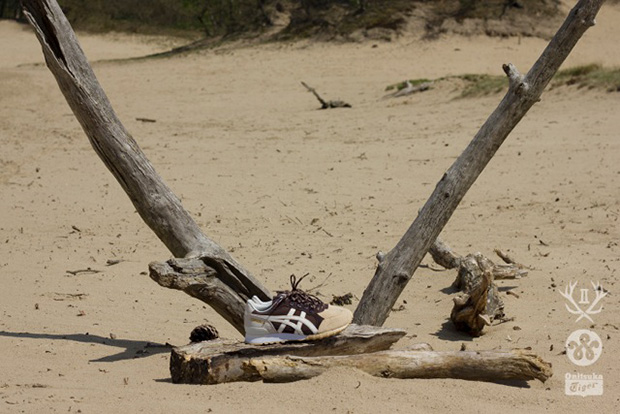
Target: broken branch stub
{"points": [[479, 304], [397, 267], [160, 209]]}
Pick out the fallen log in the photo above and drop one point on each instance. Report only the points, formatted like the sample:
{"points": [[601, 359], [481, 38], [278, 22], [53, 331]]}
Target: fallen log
{"points": [[516, 364], [220, 360]]}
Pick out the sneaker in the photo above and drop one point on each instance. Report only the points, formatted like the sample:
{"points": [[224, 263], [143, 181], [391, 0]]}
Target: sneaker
{"points": [[292, 316]]}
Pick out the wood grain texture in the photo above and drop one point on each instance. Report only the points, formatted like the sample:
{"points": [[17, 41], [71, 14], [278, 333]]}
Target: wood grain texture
{"points": [[479, 304], [219, 361], [468, 365], [397, 267]]}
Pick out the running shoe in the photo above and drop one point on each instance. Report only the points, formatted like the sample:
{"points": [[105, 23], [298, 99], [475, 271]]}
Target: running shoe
{"points": [[292, 315]]}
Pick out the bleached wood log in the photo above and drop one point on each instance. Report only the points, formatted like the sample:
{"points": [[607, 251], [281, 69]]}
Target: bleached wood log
{"points": [[218, 361], [160, 209], [397, 267], [468, 365]]}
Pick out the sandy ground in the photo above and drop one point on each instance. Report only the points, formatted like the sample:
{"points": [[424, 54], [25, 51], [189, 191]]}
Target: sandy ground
{"points": [[240, 141]]}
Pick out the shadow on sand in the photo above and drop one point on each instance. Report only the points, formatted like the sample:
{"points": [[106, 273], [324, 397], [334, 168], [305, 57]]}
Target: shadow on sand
{"points": [[131, 348]]}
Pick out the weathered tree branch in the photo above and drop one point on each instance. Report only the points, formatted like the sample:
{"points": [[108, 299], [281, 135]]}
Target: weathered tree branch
{"points": [[279, 366], [217, 361], [479, 303], [326, 104], [443, 255], [157, 205], [397, 267], [467, 365]]}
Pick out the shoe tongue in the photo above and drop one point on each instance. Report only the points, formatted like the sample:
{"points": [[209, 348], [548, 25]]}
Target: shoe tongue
{"points": [[279, 297]]}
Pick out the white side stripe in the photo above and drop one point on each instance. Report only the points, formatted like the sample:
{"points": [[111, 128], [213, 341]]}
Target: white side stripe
{"points": [[295, 322]]}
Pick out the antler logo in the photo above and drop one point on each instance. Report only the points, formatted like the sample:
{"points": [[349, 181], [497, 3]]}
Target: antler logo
{"points": [[575, 309]]}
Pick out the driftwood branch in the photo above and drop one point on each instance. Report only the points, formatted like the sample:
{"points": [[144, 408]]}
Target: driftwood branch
{"points": [[444, 256], [362, 347], [479, 304], [411, 89], [468, 365], [326, 104], [202, 281], [220, 360], [397, 267], [160, 209]]}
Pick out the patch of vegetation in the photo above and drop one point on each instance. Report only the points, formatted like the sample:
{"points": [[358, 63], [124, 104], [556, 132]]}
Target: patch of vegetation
{"points": [[212, 17], [482, 85], [333, 18], [593, 76], [494, 9], [326, 19]]}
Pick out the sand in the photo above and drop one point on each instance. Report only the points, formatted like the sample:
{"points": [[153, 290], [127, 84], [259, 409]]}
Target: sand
{"points": [[290, 189]]}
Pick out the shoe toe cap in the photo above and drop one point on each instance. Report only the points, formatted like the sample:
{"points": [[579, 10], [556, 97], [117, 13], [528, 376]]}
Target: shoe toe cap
{"points": [[335, 317]]}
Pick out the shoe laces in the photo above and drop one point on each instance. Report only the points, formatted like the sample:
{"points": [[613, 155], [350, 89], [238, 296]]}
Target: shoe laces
{"points": [[303, 300]]}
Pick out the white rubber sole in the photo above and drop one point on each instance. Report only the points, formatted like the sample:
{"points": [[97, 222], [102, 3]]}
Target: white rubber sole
{"points": [[274, 338]]}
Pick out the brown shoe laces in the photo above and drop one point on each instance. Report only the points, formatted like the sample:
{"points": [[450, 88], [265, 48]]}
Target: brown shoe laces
{"points": [[300, 299]]}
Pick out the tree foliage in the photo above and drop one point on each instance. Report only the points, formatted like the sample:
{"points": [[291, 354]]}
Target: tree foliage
{"points": [[307, 17]]}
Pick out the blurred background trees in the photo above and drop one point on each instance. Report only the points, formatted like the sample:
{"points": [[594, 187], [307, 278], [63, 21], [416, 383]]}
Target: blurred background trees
{"points": [[299, 18]]}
